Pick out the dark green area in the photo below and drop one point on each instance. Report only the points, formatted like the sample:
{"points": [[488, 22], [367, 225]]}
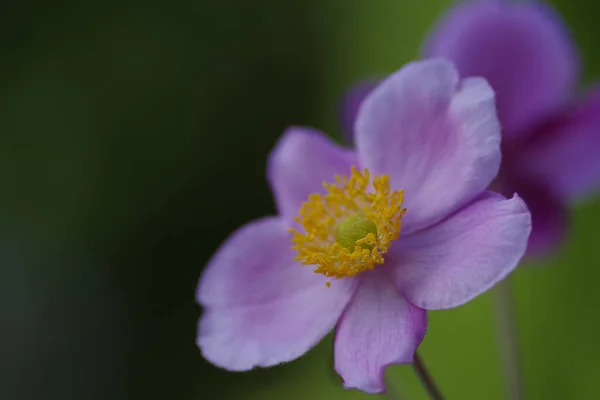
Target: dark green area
{"points": [[133, 140]]}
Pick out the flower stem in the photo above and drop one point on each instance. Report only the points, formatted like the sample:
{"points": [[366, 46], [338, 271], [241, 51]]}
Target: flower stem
{"points": [[506, 332], [426, 379]]}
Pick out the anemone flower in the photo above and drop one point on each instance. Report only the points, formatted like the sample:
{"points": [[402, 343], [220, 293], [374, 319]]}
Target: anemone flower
{"points": [[403, 226]]}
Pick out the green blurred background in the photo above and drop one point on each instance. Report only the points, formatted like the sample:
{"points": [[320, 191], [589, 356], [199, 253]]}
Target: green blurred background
{"points": [[133, 140]]}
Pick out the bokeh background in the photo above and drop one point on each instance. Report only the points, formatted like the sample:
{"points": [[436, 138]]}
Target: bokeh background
{"points": [[133, 140]]}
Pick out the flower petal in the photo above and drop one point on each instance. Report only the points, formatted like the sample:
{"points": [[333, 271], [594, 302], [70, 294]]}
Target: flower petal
{"points": [[302, 160], [438, 139], [565, 154], [451, 263], [522, 48], [260, 307], [350, 104], [548, 213], [379, 327]]}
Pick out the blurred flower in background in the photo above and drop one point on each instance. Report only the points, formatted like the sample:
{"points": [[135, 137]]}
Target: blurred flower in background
{"points": [[550, 134]]}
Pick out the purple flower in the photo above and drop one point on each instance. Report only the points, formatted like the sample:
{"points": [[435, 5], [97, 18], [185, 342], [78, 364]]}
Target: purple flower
{"points": [[427, 145], [550, 140]]}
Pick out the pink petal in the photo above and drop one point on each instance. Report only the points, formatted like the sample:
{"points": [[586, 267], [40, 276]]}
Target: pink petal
{"points": [[350, 104], [437, 138], [260, 307], [379, 328], [302, 160], [564, 155], [521, 47], [451, 263], [548, 213]]}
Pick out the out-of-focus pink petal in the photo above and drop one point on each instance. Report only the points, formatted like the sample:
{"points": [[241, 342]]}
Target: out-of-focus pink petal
{"points": [[463, 256], [260, 307], [379, 327], [349, 106], [565, 154], [436, 137], [302, 160], [521, 47]]}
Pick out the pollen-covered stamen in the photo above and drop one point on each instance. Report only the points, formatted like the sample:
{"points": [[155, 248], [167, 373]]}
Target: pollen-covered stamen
{"points": [[349, 229]]}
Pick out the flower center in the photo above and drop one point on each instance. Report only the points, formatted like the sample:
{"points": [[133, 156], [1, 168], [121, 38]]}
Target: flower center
{"points": [[349, 229], [354, 228]]}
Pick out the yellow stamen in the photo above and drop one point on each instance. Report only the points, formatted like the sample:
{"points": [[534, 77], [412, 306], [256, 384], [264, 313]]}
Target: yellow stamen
{"points": [[348, 230]]}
